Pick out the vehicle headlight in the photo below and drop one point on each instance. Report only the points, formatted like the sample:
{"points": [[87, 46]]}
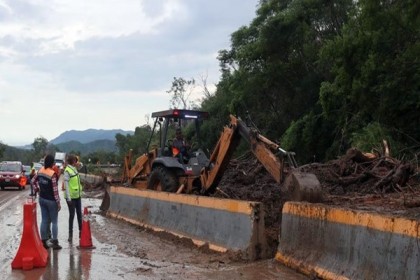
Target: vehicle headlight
{"points": [[17, 176]]}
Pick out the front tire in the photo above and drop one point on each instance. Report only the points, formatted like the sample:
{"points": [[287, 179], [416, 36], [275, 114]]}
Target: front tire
{"points": [[162, 179]]}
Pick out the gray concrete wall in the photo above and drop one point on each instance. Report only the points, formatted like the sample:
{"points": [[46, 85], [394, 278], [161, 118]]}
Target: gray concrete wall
{"points": [[334, 243], [223, 224]]}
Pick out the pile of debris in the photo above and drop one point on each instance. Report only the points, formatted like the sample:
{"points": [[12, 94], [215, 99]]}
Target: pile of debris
{"points": [[371, 182], [364, 173], [355, 180]]}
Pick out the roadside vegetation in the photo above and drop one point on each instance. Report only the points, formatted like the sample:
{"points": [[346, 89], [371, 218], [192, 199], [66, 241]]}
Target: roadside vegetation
{"points": [[323, 76]]}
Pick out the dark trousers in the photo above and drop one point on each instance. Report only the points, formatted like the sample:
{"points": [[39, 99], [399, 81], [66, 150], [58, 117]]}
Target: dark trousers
{"points": [[75, 207]]}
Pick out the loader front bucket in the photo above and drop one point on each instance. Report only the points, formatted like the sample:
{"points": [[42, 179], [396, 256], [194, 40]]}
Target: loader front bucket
{"points": [[105, 201], [303, 187]]}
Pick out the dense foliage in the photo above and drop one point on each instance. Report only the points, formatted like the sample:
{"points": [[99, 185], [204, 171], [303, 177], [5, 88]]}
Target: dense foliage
{"points": [[136, 142], [374, 88], [322, 76]]}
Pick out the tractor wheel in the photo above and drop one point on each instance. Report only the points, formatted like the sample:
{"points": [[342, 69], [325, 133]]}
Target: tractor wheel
{"points": [[162, 179]]}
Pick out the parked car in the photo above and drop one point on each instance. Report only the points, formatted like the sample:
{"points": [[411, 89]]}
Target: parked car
{"points": [[12, 175]]}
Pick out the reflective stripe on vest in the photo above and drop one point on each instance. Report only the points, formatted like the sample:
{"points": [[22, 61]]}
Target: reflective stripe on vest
{"points": [[75, 188]]}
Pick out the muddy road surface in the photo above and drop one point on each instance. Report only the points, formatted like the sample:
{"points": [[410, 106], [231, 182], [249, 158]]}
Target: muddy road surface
{"points": [[122, 251]]}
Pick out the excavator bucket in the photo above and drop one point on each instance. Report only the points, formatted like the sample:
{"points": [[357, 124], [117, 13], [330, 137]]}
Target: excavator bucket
{"points": [[303, 187]]}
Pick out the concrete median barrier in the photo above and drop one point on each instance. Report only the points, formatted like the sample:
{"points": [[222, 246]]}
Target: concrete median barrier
{"points": [[336, 243], [223, 224], [91, 179]]}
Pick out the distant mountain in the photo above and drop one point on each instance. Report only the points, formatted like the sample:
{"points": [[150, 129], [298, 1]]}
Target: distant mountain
{"points": [[88, 136], [94, 146], [85, 141]]}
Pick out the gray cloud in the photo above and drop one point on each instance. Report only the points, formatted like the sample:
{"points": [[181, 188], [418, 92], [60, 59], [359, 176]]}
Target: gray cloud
{"points": [[67, 49]]}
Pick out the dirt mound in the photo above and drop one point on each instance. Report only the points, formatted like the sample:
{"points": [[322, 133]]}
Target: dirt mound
{"points": [[356, 180]]}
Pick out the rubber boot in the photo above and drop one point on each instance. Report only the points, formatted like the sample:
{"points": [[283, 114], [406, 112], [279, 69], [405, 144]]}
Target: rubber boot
{"points": [[49, 233], [45, 244], [70, 237], [55, 245]]}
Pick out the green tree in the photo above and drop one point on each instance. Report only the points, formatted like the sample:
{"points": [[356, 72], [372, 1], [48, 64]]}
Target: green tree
{"points": [[136, 142], [375, 74], [2, 149], [272, 69], [40, 146], [100, 156], [309, 137]]}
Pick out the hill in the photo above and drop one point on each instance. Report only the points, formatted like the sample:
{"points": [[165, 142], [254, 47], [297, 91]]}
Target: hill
{"points": [[94, 146], [88, 136], [85, 142]]}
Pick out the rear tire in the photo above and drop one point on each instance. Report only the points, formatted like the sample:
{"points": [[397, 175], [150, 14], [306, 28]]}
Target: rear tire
{"points": [[162, 179]]}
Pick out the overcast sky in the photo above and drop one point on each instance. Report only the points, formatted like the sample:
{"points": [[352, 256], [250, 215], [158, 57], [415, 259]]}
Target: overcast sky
{"points": [[104, 64]]}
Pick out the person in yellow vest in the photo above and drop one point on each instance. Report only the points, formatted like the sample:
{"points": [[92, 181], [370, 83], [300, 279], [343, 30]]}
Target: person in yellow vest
{"points": [[45, 182], [73, 193]]}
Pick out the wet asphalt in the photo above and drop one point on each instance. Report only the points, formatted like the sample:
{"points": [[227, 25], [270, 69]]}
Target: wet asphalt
{"points": [[105, 261], [100, 262]]}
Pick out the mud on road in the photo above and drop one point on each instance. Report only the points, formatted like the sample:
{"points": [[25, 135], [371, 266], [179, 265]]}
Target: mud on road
{"points": [[122, 251], [164, 256]]}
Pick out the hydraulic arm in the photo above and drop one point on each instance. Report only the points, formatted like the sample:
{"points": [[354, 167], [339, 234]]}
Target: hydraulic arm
{"points": [[303, 185]]}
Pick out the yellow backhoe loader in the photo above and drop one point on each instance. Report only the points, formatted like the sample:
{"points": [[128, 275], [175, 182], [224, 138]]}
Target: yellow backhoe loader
{"points": [[161, 169]]}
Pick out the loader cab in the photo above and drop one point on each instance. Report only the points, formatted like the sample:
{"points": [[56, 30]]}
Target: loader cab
{"points": [[166, 122]]}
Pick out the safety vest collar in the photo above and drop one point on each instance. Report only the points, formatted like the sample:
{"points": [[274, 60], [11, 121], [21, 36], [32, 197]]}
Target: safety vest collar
{"points": [[47, 171]]}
